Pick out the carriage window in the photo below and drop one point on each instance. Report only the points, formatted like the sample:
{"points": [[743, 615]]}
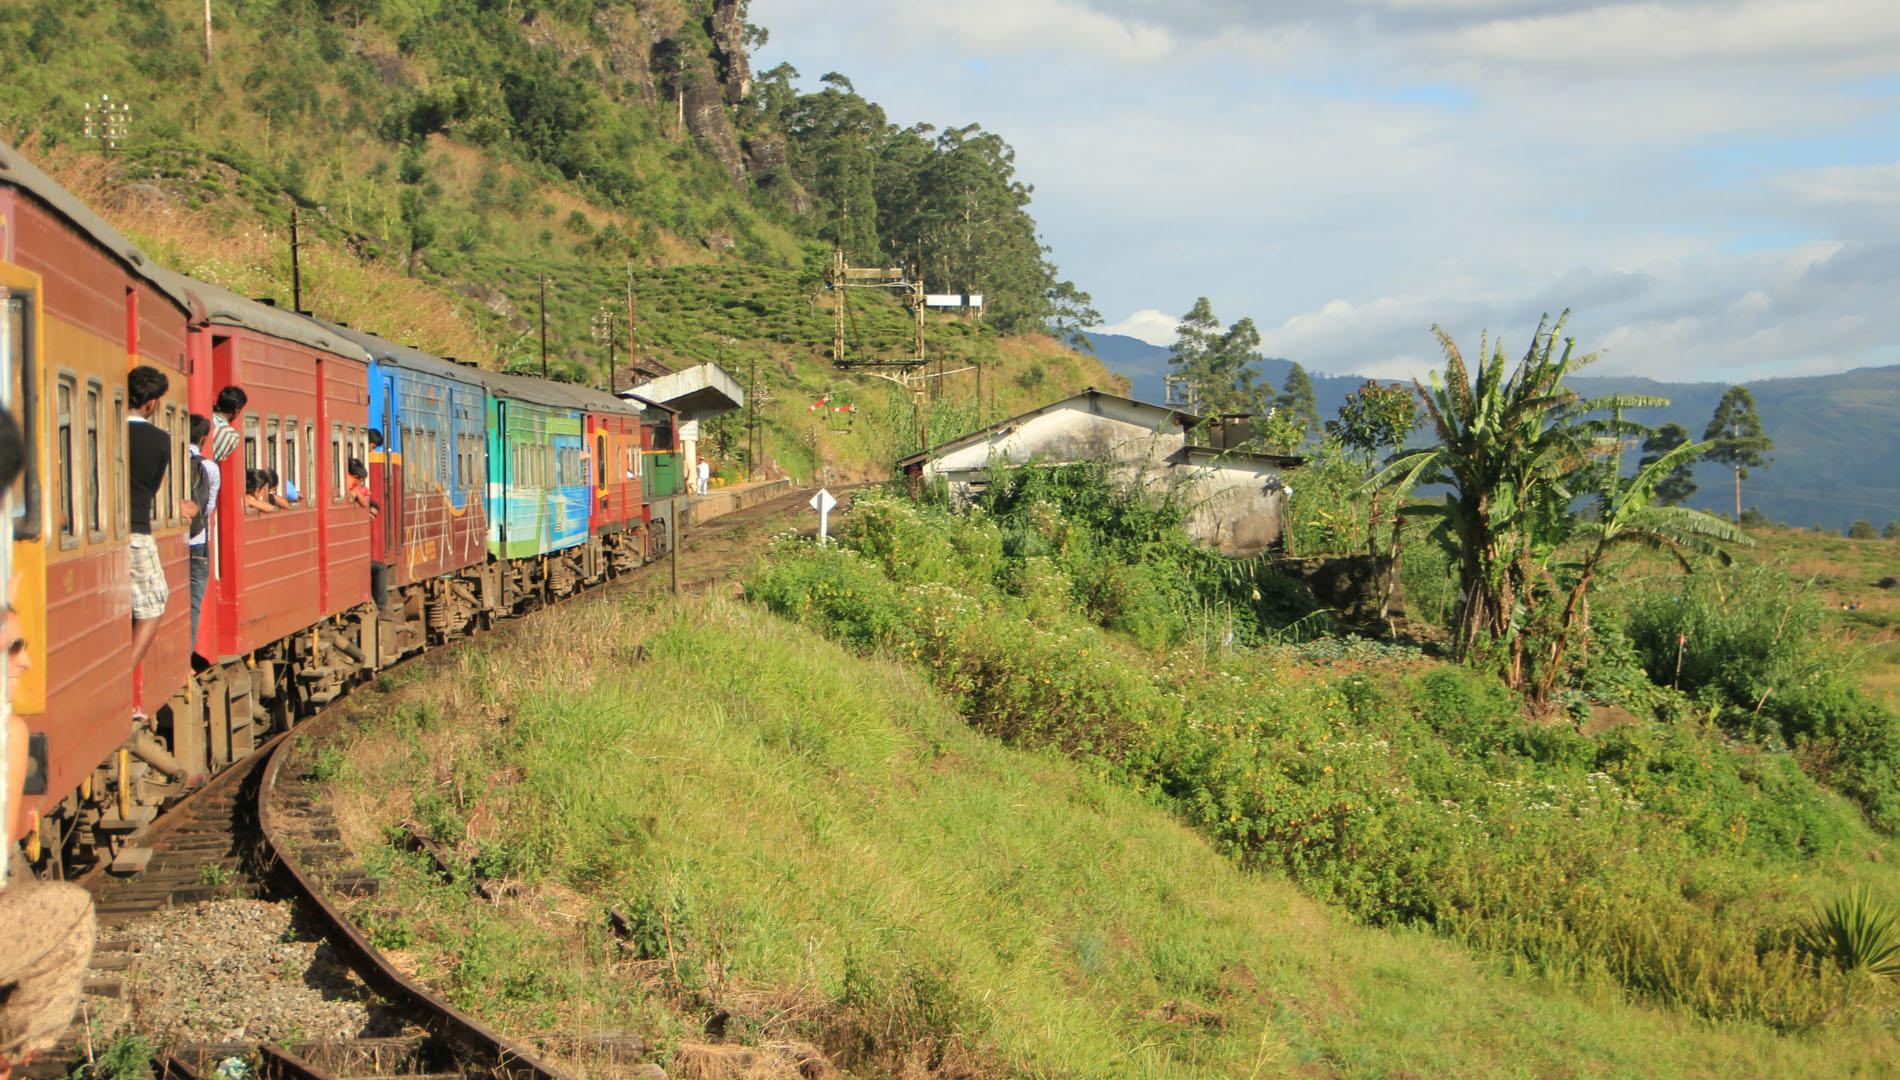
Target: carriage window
{"points": [[162, 502], [63, 449], [409, 452], [309, 464], [291, 474], [178, 429], [272, 433], [337, 465], [252, 451], [115, 450], [16, 353], [95, 497]]}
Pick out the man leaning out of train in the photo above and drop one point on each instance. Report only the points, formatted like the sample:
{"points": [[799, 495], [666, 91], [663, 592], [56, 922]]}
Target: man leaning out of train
{"points": [[46, 928], [148, 453], [205, 481]]}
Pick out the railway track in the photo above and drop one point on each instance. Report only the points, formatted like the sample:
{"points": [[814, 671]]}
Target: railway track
{"points": [[260, 832]]}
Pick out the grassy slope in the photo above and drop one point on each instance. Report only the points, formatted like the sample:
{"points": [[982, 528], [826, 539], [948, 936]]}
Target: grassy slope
{"points": [[1840, 572], [817, 843], [1845, 572], [207, 179]]}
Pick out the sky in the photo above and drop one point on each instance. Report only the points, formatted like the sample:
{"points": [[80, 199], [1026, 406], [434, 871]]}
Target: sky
{"points": [[1713, 189]]}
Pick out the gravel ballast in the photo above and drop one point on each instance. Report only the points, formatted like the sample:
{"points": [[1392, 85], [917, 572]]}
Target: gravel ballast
{"points": [[234, 971]]}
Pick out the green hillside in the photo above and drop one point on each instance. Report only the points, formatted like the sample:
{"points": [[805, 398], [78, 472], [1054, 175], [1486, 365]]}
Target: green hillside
{"points": [[446, 157], [814, 845]]}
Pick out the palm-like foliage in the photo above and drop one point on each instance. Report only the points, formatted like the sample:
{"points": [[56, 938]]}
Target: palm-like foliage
{"points": [[1629, 517], [1856, 932], [1516, 446]]}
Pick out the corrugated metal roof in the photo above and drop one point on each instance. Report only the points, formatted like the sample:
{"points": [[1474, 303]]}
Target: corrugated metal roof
{"points": [[1184, 419], [385, 351], [16, 170], [222, 307]]}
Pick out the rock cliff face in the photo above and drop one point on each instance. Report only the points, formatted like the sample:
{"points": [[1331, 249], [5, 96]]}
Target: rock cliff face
{"points": [[727, 27], [706, 118], [766, 163]]}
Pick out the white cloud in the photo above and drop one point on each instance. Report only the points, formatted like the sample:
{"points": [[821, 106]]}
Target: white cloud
{"points": [[1692, 177], [1149, 325], [1811, 308]]}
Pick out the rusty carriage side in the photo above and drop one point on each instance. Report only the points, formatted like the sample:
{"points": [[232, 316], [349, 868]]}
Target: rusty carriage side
{"points": [[82, 306]]}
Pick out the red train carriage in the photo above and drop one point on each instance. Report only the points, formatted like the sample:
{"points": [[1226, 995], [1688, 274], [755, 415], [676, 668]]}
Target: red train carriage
{"points": [[616, 440], [281, 582], [83, 307]]}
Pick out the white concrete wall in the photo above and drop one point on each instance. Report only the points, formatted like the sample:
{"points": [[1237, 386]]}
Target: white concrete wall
{"points": [[1235, 505]]}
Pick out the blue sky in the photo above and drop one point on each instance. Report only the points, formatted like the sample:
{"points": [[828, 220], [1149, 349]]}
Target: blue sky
{"points": [[1714, 188]]}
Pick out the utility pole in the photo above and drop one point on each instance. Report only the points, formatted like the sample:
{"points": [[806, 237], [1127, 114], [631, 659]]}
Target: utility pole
{"points": [[752, 422], [631, 352], [610, 356], [296, 260], [679, 531], [982, 414], [544, 326], [207, 31]]}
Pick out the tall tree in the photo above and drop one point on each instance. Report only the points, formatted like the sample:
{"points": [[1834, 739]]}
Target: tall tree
{"points": [[1374, 423], [1219, 366], [1296, 397], [1194, 339], [1736, 431], [1679, 483]]}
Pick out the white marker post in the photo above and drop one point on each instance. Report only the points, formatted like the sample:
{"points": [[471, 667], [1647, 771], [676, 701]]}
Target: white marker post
{"points": [[823, 502]]}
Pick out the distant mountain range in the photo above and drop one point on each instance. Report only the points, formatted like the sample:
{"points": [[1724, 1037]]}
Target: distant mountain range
{"points": [[1837, 437]]}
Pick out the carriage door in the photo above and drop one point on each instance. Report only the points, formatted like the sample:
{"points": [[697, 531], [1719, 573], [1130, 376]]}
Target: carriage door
{"points": [[600, 465], [390, 497]]}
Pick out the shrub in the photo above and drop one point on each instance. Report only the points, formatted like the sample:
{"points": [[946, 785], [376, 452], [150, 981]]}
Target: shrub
{"points": [[1650, 854]]}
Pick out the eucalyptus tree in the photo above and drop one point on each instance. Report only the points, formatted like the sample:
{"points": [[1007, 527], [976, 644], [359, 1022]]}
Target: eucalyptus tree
{"points": [[1740, 444], [1296, 397], [1221, 366], [1680, 483]]}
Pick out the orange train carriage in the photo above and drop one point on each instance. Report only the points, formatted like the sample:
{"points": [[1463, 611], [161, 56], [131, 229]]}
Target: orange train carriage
{"points": [[84, 306]]}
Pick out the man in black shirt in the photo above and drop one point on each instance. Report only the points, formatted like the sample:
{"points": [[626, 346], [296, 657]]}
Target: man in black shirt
{"points": [[148, 455]]}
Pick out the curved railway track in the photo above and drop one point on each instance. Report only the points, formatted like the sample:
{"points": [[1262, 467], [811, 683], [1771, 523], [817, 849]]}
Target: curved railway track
{"points": [[259, 830]]}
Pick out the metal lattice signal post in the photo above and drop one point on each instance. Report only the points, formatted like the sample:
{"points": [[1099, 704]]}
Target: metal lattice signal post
{"points": [[910, 372], [108, 121]]}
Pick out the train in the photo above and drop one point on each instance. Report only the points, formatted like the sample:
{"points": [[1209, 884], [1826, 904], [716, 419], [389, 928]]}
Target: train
{"points": [[493, 493]]}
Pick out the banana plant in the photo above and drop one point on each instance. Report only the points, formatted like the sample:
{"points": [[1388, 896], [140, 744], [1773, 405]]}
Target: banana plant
{"points": [[1629, 517], [1512, 441]]}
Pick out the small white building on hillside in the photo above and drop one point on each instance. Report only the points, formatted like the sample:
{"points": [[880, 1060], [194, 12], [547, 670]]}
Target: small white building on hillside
{"points": [[1236, 498]]}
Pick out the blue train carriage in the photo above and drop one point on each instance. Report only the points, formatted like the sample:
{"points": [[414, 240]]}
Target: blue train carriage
{"points": [[429, 480], [539, 489]]}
